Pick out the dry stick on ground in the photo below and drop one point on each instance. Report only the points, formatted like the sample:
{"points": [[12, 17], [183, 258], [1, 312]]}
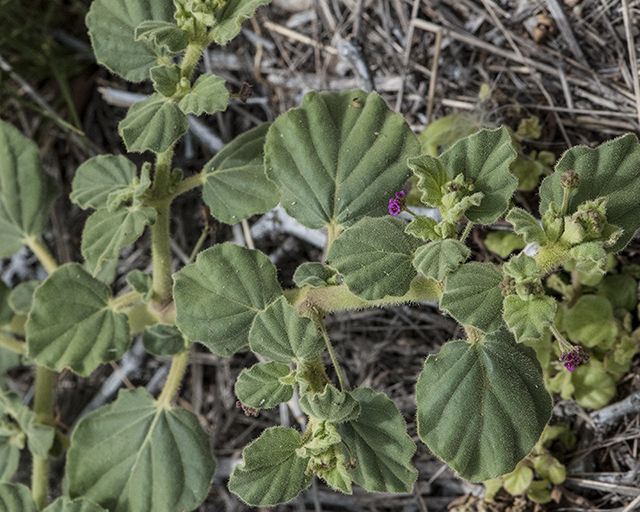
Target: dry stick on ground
{"points": [[407, 53], [632, 54], [434, 74], [563, 25]]}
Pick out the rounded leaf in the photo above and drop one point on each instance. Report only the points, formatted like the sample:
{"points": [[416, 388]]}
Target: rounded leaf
{"points": [[163, 340], [134, 455], [260, 386], [472, 296], [375, 257], [71, 323], [229, 19], [610, 170], [208, 95], [219, 295], [591, 322], [336, 162], [331, 405], [100, 176], [236, 185], [314, 274], [593, 388], [112, 25], [482, 406], [21, 299], [16, 497], [528, 318], [439, 257]]}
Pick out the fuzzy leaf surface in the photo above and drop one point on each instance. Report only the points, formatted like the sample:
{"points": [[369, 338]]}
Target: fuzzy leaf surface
{"points": [[236, 185], [526, 225], [379, 440], [165, 79], [20, 299], [313, 273], [472, 296], [260, 387], [163, 33], [219, 295], [162, 340], [230, 17], [106, 232], [591, 322], [26, 191], [208, 95], [272, 472], [112, 26], [279, 333], [153, 124], [483, 406], [134, 455], [375, 257], [611, 170], [16, 497], [71, 323], [331, 405], [9, 458], [437, 258], [528, 318], [64, 504], [40, 437], [322, 153]]}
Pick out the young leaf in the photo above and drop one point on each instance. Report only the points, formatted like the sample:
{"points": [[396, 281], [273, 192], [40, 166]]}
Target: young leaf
{"points": [[528, 318], [9, 458], [279, 333], [105, 233], [331, 405], [134, 455], [503, 242], [16, 497], [594, 388], [163, 33], [154, 124], [610, 170], [272, 472], [112, 25], [375, 257], [40, 438], [437, 258], [472, 296], [314, 274], [20, 299], [208, 95], [229, 19], [378, 438], [432, 176], [482, 406], [526, 225], [163, 340], [519, 480], [26, 191], [322, 153], [64, 504], [447, 130], [71, 323], [259, 387], [100, 176], [219, 295], [141, 283], [165, 79], [236, 185]]}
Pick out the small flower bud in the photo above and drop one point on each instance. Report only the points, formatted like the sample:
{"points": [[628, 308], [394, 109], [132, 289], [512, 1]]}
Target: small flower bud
{"points": [[573, 358], [569, 180]]}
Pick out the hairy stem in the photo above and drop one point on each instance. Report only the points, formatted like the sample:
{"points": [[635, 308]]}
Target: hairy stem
{"points": [[43, 255], [190, 60], [125, 300], [19, 347], [332, 354], [188, 184], [43, 407], [174, 379]]}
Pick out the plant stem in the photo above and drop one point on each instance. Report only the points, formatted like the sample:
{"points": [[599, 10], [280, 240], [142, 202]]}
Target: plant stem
{"points": [[190, 60], [466, 231], [43, 407], [188, 184], [473, 335], [332, 354], [171, 386], [41, 252], [125, 300], [19, 347]]}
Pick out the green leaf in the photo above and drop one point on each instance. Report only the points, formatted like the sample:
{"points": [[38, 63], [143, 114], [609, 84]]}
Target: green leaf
{"points": [[99, 177], [472, 296], [424, 228], [272, 472], [279, 333], [219, 295], [539, 491], [208, 95], [432, 176], [229, 19], [331, 405], [163, 340], [16, 497], [503, 242], [314, 274], [260, 386], [8, 359], [9, 458], [106, 232], [112, 25], [526, 225], [523, 269], [163, 33], [40, 438], [610, 170], [64, 504], [482, 406], [518, 481], [445, 131], [7, 312], [437, 258], [26, 191], [141, 283], [336, 163], [135, 455], [165, 79], [71, 323], [594, 388], [621, 290], [20, 299], [528, 318], [154, 124], [236, 185], [375, 257], [378, 438], [591, 322]]}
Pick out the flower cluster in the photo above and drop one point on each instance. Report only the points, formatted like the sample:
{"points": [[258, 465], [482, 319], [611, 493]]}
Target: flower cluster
{"points": [[396, 204], [574, 357]]}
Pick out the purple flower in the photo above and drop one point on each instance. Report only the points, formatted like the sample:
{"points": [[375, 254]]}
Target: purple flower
{"points": [[394, 206], [574, 357], [400, 195]]}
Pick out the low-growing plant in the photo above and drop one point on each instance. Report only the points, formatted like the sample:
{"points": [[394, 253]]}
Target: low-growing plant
{"points": [[340, 162]]}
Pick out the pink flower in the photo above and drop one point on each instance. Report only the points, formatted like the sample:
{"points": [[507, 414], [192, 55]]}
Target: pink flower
{"points": [[394, 206]]}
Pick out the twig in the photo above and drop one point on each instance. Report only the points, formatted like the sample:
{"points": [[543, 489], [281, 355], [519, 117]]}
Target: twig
{"points": [[632, 54], [407, 52], [563, 25], [434, 74], [612, 412], [297, 36]]}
